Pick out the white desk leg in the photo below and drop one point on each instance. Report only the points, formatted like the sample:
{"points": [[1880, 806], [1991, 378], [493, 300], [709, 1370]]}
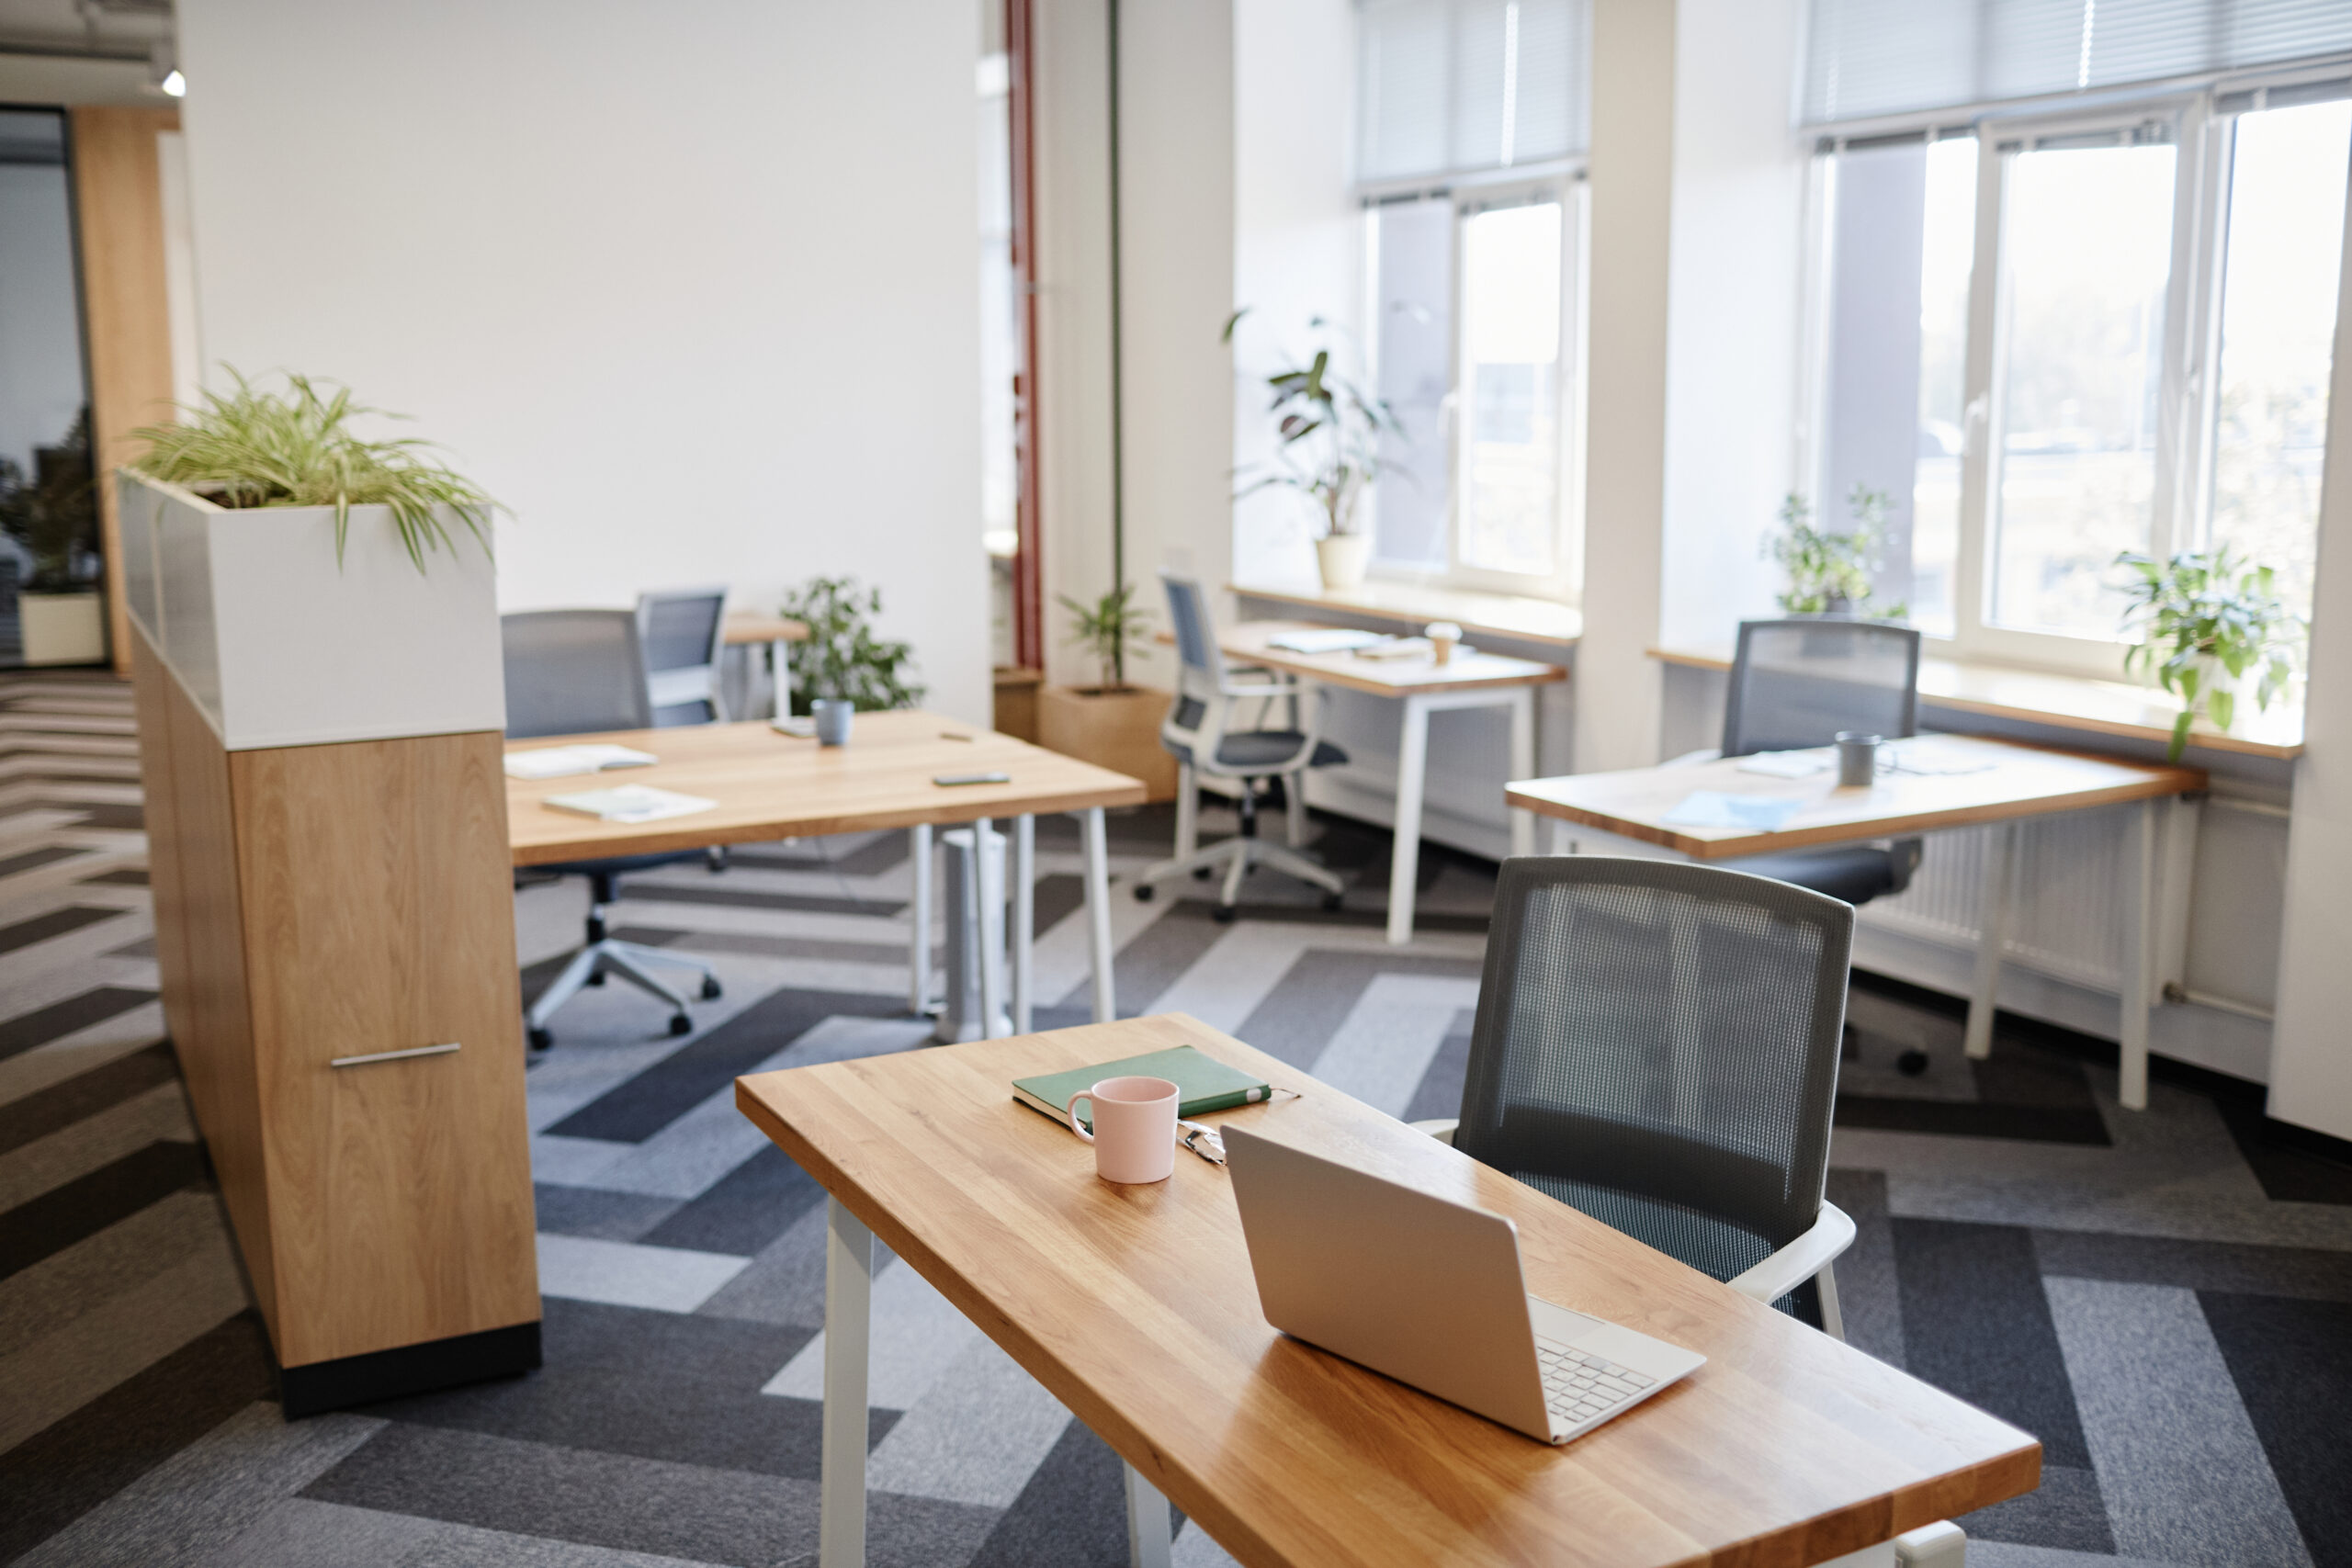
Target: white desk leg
{"points": [[1024, 915], [849, 1291], [918, 947], [1992, 931], [1405, 860], [1098, 914], [1147, 1532], [1188, 811], [988, 881], [2139, 934], [783, 678], [1522, 764]]}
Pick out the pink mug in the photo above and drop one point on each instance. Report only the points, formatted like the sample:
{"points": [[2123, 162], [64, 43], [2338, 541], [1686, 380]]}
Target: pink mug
{"points": [[1135, 1128]]}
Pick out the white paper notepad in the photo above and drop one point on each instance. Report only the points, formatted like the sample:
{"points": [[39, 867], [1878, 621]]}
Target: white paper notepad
{"points": [[562, 761], [630, 802]]}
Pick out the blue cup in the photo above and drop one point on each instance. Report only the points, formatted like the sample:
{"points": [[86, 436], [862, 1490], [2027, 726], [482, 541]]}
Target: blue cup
{"points": [[832, 715]]}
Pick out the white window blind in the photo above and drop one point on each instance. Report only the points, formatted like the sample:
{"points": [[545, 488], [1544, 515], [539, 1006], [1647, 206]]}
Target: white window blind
{"points": [[1867, 59], [1464, 86]]}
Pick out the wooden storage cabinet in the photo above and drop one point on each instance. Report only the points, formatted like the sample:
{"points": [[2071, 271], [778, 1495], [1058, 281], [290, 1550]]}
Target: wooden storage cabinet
{"points": [[323, 901]]}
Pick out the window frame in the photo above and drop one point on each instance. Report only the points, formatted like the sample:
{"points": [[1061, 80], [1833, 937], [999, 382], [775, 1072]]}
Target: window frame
{"points": [[2203, 134], [1468, 199]]}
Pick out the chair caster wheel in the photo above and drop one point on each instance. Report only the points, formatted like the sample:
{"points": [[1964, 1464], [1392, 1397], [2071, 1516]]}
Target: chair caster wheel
{"points": [[1201, 873], [1223, 914], [1912, 1063], [710, 989], [682, 1024], [1331, 903], [1144, 890], [541, 1039], [597, 978]]}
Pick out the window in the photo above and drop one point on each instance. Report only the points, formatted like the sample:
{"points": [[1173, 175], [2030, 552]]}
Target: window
{"points": [[1472, 346], [2107, 333], [1471, 123]]}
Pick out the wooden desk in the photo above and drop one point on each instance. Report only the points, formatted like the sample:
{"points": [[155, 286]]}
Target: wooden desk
{"points": [[750, 628], [1625, 812], [1469, 680], [770, 785], [1787, 1447]]}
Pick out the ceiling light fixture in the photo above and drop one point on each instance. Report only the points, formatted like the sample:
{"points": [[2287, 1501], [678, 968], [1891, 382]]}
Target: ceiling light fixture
{"points": [[174, 84]]}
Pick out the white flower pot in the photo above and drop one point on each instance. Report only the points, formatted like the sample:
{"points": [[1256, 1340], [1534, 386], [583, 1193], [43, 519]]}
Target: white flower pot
{"points": [[63, 628], [1342, 558], [280, 644]]}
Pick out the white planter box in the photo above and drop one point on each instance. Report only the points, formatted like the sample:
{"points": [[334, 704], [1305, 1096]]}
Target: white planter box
{"points": [[281, 646], [61, 628]]}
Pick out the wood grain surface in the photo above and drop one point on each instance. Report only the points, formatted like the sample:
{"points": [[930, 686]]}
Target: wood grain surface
{"points": [[769, 785], [1252, 642], [749, 627], [1136, 1307], [2020, 781]]}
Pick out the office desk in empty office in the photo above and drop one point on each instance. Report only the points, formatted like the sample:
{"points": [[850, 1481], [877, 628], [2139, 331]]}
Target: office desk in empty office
{"points": [[748, 628], [2002, 783], [768, 786], [1469, 680], [1135, 1306]]}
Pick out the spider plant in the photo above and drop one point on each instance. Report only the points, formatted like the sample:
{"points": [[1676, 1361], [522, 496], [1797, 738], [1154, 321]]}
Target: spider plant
{"points": [[1108, 629], [254, 448], [1316, 399]]}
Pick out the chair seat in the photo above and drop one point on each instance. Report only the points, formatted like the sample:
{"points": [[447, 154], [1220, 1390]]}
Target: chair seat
{"points": [[1263, 749], [1855, 873]]}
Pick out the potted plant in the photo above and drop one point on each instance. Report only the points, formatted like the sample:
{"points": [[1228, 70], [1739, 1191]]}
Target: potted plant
{"points": [[53, 517], [843, 666], [277, 563], [1113, 724], [1829, 572], [2206, 621], [1326, 432]]}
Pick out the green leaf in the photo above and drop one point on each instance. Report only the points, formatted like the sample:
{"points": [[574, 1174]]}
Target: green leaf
{"points": [[2221, 706], [2179, 738]]}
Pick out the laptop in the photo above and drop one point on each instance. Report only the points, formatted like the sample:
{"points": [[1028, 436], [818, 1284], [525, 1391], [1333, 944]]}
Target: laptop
{"points": [[1428, 1292]]}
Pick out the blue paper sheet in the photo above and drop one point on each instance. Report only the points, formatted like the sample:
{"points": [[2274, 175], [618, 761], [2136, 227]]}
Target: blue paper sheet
{"points": [[1716, 808]]}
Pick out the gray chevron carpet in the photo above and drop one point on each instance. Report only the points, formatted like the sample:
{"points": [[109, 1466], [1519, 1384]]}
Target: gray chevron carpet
{"points": [[2165, 1299]]}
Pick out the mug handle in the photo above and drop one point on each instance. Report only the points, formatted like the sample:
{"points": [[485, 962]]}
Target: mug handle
{"points": [[1071, 1112]]}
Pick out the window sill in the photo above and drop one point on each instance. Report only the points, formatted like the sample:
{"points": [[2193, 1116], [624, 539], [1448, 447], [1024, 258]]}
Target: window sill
{"points": [[1414, 604], [2066, 702]]}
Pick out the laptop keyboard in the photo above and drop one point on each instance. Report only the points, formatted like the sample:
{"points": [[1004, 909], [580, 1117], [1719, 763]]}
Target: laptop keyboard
{"points": [[1580, 1389]]}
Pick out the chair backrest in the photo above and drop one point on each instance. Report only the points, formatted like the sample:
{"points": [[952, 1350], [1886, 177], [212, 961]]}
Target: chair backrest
{"points": [[1657, 1044], [1194, 626], [1797, 682], [680, 632], [573, 672]]}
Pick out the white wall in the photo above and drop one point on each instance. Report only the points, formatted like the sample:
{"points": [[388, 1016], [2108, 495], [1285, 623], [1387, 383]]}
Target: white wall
{"points": [[1732, 337], [1297, 241], [2311, 1065], [693, 292]]}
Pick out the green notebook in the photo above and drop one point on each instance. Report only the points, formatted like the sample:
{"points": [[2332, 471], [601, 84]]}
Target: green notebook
{"points": [[1203, 1083]]}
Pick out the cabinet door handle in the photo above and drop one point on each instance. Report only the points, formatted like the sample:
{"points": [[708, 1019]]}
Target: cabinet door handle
{"points": [[394, 1056]]}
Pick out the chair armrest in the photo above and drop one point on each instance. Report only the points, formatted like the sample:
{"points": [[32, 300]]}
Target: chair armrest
{"points": [[1691, 759], [1832, 1234], [1940, 1545], [1442, 1129]]}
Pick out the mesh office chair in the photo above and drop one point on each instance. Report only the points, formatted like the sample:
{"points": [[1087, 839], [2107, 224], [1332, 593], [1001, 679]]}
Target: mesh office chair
{"points": [[1795, 683], [1199, 730], [680, 634], [1656, 1046], [574, 672]]}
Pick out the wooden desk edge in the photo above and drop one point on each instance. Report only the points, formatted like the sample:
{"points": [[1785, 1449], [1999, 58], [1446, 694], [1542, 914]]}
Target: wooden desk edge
{"points": [[685, 836], [1470, 622], [1864, 1523], [1745, 844]]}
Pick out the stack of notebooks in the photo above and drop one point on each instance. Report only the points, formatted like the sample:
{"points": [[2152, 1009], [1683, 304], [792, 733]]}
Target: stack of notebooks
{"points": [[1202, 1083], [630, 802]]}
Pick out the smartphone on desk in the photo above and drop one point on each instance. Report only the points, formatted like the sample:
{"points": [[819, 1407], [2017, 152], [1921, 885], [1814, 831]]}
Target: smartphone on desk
{"points": [[951, 780]]}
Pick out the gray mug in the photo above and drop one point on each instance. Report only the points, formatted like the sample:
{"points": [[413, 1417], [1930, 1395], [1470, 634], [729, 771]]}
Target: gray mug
{"points": [[1857, 758], [833, 717]]}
